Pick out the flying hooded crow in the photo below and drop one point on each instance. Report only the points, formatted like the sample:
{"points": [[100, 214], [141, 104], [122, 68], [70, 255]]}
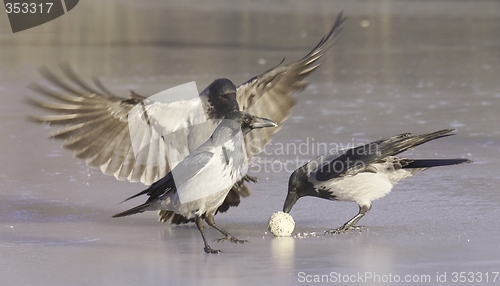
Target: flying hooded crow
{"points": [[98, 132], [361, 174], [198, 185]]}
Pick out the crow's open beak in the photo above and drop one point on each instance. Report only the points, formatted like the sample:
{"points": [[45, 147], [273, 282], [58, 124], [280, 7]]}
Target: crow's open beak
{"points": [[290, 200], [259, 122]]}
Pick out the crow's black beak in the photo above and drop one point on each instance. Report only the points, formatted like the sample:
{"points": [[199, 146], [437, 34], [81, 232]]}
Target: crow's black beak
{"points": [[290, 200], [259, 122]]}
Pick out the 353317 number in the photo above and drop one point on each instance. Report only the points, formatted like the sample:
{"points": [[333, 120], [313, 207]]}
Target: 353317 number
{"points": [[474, 277], [26, 8]]}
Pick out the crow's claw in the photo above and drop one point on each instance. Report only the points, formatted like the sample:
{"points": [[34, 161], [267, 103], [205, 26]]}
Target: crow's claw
{"points": [[230, 238], [344, 229]]}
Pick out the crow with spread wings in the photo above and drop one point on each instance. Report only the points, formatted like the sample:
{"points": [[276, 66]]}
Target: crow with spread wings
{"points": [[97, 126]]}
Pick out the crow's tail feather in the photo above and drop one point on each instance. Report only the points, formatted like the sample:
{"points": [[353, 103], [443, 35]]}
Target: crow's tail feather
{"points": [[428, 163], [135, 210]]}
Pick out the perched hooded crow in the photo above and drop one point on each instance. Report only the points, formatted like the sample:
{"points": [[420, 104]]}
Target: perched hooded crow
{"points": [[98, 132], [361, 174], [198, 185]]}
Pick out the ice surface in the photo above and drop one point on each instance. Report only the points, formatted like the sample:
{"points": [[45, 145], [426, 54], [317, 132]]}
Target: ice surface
{"points": [[417, 67]]}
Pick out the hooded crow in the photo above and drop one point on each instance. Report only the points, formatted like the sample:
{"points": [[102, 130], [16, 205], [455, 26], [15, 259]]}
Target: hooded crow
{"points": [[361, 174], [198, 185], [97, 129]]}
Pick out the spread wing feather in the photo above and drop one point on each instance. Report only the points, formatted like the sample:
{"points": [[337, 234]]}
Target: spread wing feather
{"points": [[269, 94], [98, 127]]}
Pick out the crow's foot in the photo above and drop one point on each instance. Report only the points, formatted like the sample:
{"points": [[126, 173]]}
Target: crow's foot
{"points": [[344, 229], [208, 249], [230, 238]]}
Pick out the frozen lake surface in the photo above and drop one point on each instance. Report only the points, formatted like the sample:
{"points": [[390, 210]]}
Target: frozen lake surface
{"points": [[399, 66]]}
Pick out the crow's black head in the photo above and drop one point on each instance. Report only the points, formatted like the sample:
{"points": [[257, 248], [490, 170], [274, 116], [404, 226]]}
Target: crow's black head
{"points": [[298, 186], [246, 122], [221, 98]]}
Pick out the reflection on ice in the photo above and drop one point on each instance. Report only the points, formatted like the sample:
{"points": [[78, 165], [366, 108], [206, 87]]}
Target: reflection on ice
{"points": [[283, 252]]}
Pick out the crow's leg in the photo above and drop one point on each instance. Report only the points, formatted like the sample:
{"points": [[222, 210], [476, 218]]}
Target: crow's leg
{"points": [[350, 225], [201, 226], [209, 218]]}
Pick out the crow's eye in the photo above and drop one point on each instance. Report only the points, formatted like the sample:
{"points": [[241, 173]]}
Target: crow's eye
{"points": [[247, 120]]}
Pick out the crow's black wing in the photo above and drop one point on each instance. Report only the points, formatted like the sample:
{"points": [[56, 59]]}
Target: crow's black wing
{"points": [[269, 94], [355, 160]]}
